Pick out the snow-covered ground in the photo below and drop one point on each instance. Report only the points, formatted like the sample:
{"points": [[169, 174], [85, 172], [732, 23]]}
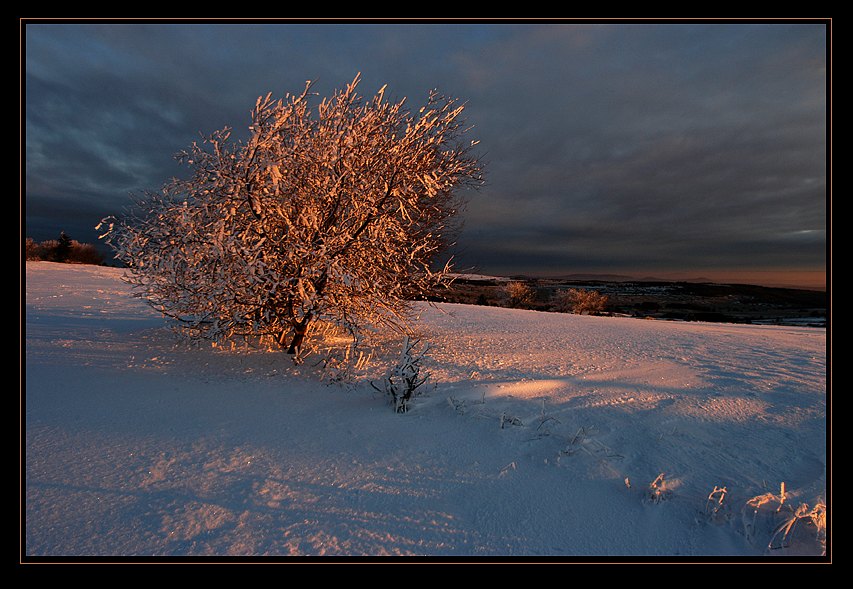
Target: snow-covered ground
{"points": [[539, 436]]}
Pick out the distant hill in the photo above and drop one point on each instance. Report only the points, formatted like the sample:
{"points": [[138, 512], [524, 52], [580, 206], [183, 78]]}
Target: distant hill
{"points": [[620, 278], [593, 277], [597, 277], [700, 279]]}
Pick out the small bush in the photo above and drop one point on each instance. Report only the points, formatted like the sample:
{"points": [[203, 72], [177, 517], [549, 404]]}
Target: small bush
{"points": [[401, 383], [84, 253], [580, 301], [520, 295], [658, 490], [717, 508], [32, 250], [794, 531], [801, 532], [46, 250]]}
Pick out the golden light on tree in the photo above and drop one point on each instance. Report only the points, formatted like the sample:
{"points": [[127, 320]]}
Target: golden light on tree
{"points": [[335, 213]]}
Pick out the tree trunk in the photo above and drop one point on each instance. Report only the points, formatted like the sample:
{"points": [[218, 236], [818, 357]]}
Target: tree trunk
{"points": [[300, 331], [300, 328]]}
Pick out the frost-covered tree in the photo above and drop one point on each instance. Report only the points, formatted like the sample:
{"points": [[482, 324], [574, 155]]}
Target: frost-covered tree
{"points": [[336, 212], [519, 294], [580, 301]]}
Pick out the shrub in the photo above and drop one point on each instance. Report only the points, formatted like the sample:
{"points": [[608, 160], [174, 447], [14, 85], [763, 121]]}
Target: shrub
{"points": [[580, 301], [519, 295], [401, 383], [84, 253], [32, 250]]}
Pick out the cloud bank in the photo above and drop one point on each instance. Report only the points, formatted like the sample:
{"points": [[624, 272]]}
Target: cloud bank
{"points": [[633, 148]]}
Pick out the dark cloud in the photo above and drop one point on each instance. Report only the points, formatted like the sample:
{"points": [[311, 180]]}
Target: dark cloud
{"points": [[645, 147]]}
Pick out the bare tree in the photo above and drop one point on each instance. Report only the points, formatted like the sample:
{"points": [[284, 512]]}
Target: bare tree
{"points": [[335, 213], [580, 301]]}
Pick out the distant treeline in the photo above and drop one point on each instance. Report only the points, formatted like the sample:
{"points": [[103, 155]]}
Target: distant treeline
{"points": [[64, 249]]}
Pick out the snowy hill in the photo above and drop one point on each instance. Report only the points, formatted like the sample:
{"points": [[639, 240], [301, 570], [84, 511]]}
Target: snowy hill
{"points": [[542, 435]]}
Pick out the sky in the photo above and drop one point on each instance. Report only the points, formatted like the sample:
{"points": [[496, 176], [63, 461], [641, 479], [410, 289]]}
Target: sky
{"points": [[650, 149]]}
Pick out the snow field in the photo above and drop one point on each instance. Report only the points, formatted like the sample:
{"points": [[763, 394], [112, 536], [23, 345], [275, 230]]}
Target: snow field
{"points": [[539, 434]]}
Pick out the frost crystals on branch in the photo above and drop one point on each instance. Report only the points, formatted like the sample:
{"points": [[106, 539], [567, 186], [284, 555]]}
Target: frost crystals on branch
{"points": [[334, 213]]}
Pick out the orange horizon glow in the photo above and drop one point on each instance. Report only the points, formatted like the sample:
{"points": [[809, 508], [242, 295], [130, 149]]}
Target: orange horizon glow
{"points": [[807, 279], [792, 278]]}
